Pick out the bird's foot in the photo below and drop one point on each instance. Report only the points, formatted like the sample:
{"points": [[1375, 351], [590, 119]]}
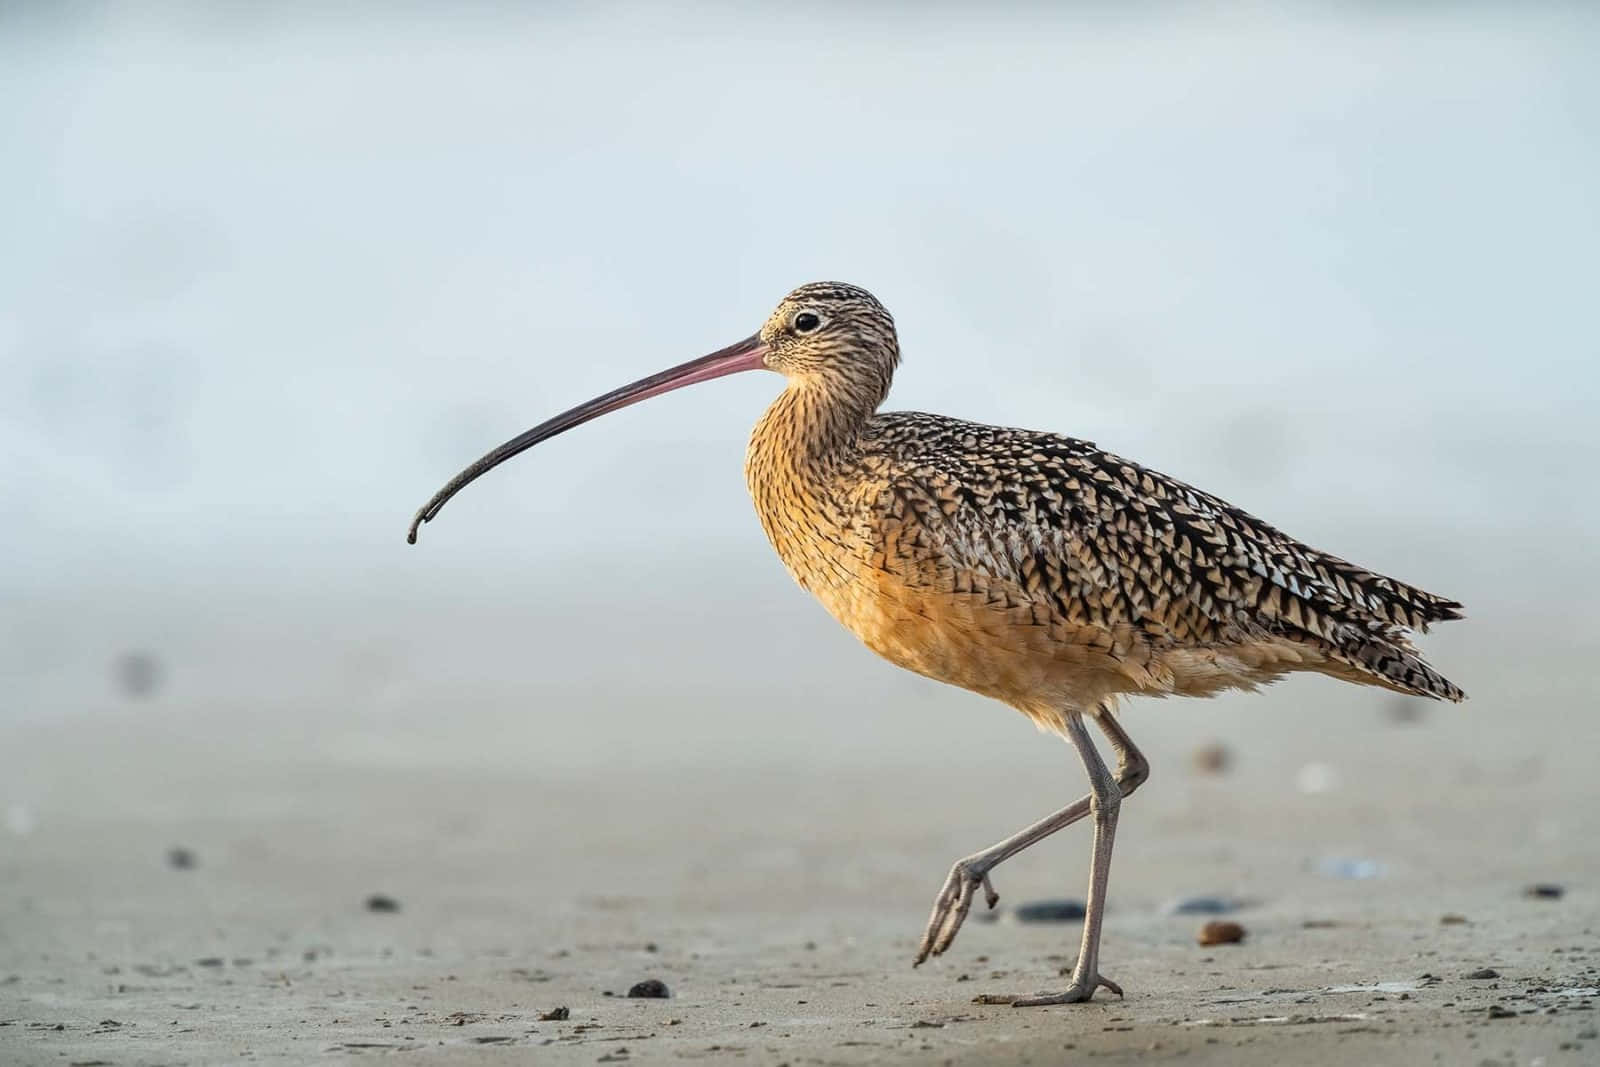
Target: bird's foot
{"points": [[951, 906], [1077, 993]]}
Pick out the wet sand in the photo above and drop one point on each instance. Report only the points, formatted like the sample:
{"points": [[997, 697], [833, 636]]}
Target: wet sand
{"points": [[780, 905]]}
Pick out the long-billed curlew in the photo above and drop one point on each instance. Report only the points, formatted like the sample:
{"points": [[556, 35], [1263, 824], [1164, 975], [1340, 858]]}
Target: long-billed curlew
{"points": [[1028, 567]]}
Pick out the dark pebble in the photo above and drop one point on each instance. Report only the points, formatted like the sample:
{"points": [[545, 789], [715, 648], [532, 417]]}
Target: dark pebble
{"points": [[650, 987], [1483, 974], [1405, 711], [1211, 759], [1220, 932], [138, 674], [1202, 906], [555, 1015], [1545, 891], [1452, 919], [1497, 1012], [209, 961], [1049, 911], [380, 903], [181, 859]]}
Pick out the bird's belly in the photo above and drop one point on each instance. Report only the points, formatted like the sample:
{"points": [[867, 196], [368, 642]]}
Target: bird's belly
{"points": [[1008, 652]]}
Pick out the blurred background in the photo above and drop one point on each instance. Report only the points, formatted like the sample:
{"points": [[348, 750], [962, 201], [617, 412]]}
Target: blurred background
{"points": [[270, 274]]}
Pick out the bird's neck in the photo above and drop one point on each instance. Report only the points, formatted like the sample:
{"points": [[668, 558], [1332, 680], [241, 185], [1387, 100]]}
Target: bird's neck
{"points": [[799, 455], [813, 423]]}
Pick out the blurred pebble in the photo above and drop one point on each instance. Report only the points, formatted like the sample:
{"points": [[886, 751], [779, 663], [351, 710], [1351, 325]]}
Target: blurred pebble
{"points": [[1405, 711], [1220, 932], [1048, 911], [1545, 891], [554, 1015], [180, 859], [1452, 919], [380, 903], [1482, 974], [650, 987], [1346, 867], [1316, 778], [1203, 906], [138, 674], [1212, 758]]}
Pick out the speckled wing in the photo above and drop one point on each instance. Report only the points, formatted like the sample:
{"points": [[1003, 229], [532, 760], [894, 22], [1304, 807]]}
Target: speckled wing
{"points": [[1107, 544]]}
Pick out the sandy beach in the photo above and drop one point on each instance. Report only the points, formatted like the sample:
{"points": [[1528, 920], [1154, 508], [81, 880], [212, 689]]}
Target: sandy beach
{"points": [[780, 905]]}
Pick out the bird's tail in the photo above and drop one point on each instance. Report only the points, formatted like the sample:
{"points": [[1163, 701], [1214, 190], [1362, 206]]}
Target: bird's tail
{"points": [[1385, 656]]}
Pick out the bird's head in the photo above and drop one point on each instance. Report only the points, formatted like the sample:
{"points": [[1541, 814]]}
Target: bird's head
{"points": [[829, 330], [825, 334]]}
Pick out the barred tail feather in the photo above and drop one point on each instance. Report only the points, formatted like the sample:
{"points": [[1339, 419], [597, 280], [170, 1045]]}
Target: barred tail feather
{"points": [[1394, 665]]}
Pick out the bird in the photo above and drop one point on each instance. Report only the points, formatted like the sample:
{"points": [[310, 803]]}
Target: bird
{"points": [[1032, 568]]}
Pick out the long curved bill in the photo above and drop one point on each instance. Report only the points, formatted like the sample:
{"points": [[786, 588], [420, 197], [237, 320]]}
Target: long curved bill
{"points": [[745, 355]]}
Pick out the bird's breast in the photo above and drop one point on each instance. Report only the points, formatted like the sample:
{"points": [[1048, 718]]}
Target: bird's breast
{"points": [[883, 582]]}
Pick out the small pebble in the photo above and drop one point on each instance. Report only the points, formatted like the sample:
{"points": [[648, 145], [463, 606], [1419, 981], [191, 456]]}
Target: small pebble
{"points": [[1497, 1012], [209, 961], [181, 859], [1202, 906], [1452, 919], [1483, 974], [1220, 932], [1212, 758], [380, 903], [1048, 911], [555, 1015], [137, 674], [1405, 711], [650, 987], [1545, 891]]}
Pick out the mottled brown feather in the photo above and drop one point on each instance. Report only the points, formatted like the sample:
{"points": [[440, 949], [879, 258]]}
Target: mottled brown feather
{"points": [[1037, 568]]}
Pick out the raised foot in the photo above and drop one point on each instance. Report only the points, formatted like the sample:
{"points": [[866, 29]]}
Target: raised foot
{"points": [[951, 906], [1076, 993]]}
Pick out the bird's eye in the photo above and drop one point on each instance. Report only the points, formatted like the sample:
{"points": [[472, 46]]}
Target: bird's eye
{"points": [[805, 322]]}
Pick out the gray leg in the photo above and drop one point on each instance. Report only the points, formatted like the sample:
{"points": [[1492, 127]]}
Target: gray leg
{"points": [[1105, 798], [951, 906]]}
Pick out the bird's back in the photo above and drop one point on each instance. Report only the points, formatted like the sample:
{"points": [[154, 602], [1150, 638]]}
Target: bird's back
{"points": [[1047, 548]]}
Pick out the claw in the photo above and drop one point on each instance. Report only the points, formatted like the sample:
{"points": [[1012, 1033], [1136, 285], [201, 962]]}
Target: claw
{"points": [[1077, 993], [950, 909]]}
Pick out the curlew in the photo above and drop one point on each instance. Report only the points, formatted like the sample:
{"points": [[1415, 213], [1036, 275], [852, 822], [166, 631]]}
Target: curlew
{"points": [[1029, 567]]}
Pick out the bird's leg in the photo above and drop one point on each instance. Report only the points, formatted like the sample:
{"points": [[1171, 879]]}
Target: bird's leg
{"points": [[1105, 798], [954, 902]]}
